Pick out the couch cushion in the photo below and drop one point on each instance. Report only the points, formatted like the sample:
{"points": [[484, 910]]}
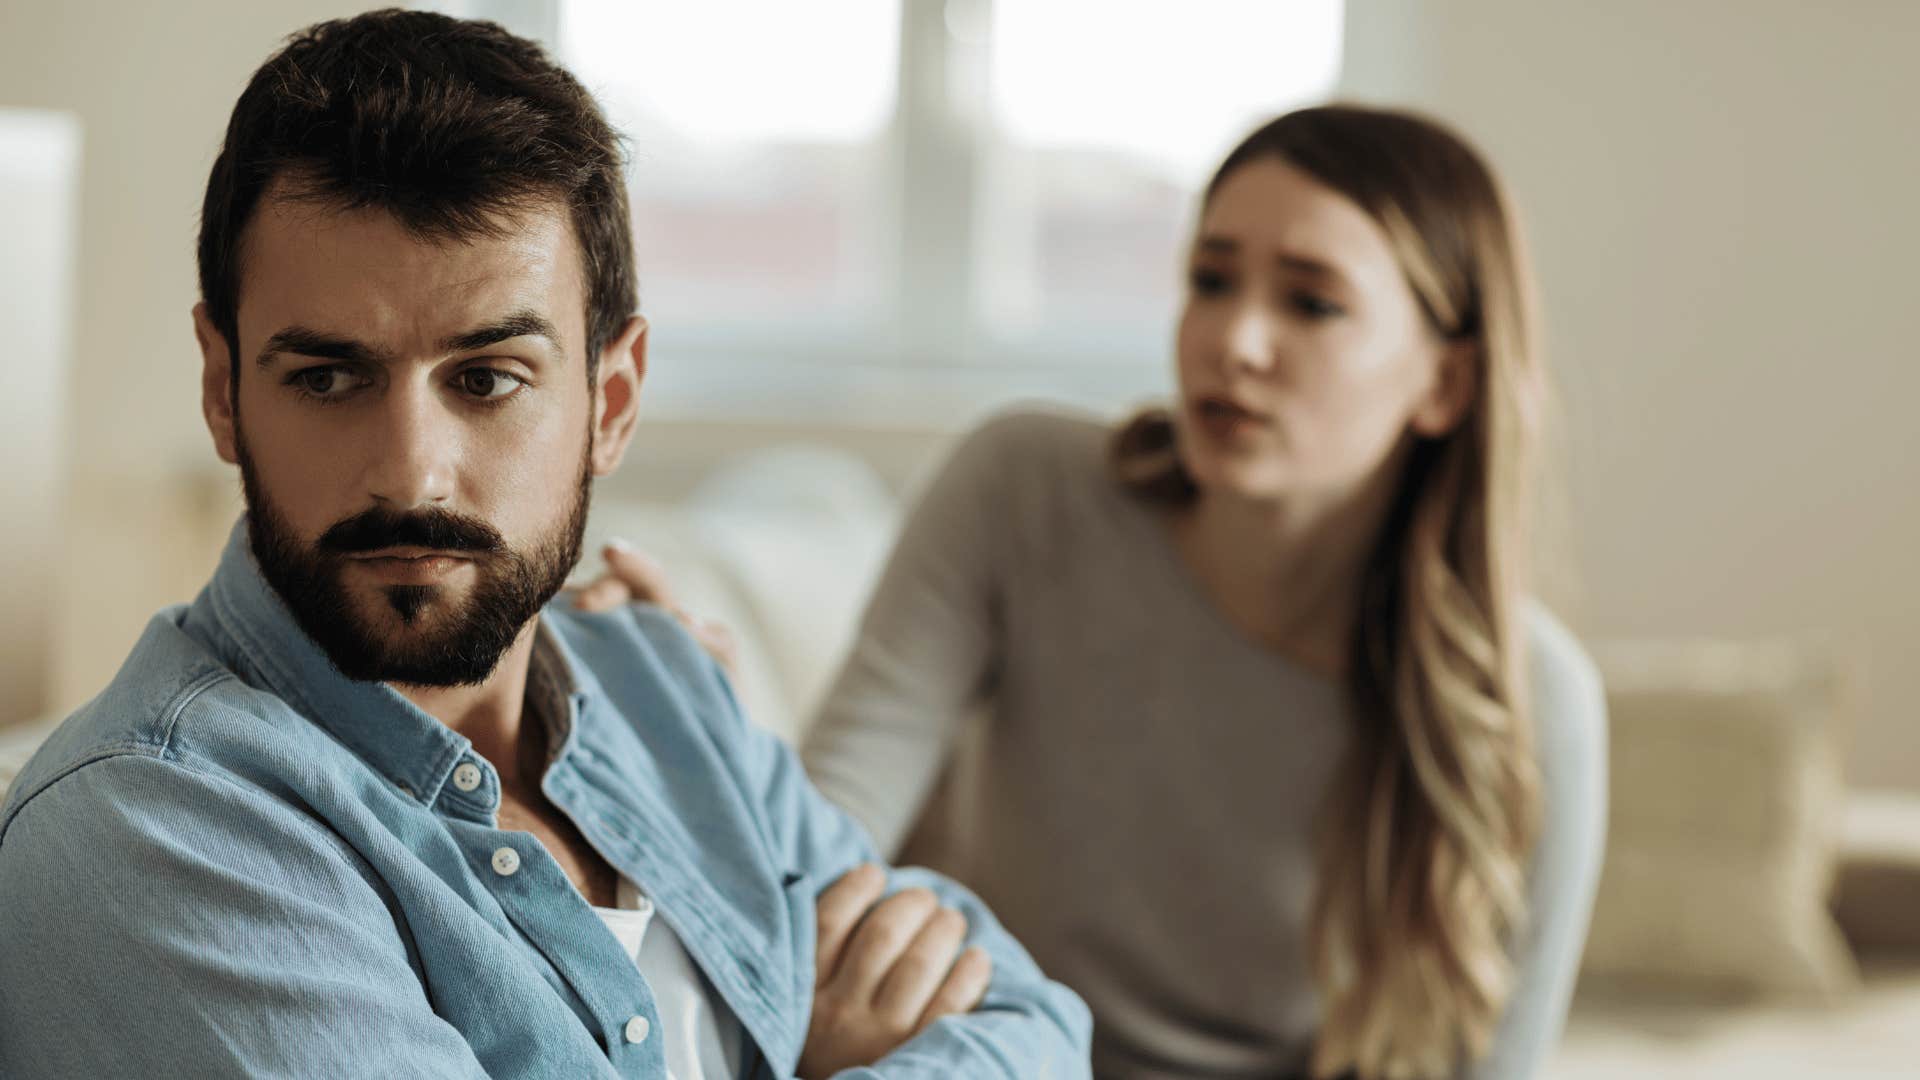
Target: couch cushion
{"points": [[703, 586], [1726, 801], [802, 532]]}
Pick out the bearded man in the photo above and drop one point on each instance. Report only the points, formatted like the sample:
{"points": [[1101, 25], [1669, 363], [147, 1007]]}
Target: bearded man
{"points": [[369, 805]]}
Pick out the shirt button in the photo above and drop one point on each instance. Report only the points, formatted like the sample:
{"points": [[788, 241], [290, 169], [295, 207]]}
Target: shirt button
{"points": [[506, 861], [637, 1029], [466, 777]]}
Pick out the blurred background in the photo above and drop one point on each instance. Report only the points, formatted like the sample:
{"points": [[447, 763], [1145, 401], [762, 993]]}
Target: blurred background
{"points": [[865, 224]]}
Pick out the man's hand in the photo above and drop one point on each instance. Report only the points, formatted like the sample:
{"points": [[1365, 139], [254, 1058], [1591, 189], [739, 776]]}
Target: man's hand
{"points": [[885, 969], [634, 577]]}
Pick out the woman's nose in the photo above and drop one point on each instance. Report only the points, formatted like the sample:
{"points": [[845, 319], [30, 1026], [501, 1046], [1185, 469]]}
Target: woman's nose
{"points": [[1251, 339]]}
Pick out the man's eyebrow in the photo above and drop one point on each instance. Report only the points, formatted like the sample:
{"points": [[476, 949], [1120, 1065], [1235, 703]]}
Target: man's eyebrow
{"points": [[301, 341], [518, 324]]}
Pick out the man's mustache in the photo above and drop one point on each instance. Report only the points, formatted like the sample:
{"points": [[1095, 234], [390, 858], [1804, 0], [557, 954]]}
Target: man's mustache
{"points": [[380, 527]]}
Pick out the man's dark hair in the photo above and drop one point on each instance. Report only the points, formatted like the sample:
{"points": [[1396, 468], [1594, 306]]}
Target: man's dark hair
{"points": [[448, 124]]}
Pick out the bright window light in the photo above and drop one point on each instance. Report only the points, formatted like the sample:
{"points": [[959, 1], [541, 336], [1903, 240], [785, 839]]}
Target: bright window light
{"points": [[743, 70], [1176, 83], [1003, 199]]}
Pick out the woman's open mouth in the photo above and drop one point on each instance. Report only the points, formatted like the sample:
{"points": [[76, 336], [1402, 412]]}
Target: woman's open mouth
{"points": [[1228, 420]]}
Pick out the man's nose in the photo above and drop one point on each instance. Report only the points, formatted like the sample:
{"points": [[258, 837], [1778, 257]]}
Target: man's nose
{"points": [[414, 448]]}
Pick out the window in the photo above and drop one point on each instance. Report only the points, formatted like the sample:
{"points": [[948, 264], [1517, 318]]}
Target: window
{"points": [[922, 205], [759, 139], [1106, 119]]}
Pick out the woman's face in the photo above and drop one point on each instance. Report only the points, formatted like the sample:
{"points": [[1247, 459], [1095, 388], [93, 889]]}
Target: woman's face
{"points": [[1304, 357]]}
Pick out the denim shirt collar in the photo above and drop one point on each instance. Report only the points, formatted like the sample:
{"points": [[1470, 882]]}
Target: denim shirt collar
{"points": [[393, 735]]}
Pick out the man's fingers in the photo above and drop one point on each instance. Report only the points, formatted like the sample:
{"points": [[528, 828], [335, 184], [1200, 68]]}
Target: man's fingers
{"points": [[963, 989], [838, 911], [908, 987], [879, 940], [636, 569]]}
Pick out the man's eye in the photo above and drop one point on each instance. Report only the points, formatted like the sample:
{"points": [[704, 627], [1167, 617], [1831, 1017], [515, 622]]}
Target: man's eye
{"points": [[322, 382], [488, 384]]}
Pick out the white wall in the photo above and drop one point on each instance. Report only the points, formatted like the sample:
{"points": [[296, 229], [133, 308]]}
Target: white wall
{"points": [[39, 193], [1722, 197], [152, 86]]}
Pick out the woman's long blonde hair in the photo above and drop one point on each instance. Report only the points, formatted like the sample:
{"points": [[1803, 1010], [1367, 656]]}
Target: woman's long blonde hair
{"points": [[1429, 826]]}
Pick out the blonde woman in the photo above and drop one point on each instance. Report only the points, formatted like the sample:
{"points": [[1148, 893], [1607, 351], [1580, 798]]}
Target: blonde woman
{"points": [[1275, 761]]}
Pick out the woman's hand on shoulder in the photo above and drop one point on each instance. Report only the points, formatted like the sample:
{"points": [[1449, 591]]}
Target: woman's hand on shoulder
{"points": [[634, 577]]}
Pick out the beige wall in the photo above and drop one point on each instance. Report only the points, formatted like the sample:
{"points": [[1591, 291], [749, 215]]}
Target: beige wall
{"points": [[39, 190], [152, 85], [1722, 200]]}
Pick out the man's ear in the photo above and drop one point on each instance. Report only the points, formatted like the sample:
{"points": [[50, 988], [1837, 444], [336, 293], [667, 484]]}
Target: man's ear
{"points": [[216, 385], [616, 395], [1455, 384]]}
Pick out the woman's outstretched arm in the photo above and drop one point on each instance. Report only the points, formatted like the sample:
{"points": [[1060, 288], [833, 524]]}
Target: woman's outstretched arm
{"points": [[926, 653]]}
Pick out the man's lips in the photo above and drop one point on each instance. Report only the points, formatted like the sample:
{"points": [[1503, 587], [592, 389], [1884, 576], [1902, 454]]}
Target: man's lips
{"points": [[409, 565], [408, 553]]}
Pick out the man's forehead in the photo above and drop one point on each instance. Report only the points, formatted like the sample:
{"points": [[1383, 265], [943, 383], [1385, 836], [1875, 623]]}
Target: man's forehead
{"points": [[362, 270]]}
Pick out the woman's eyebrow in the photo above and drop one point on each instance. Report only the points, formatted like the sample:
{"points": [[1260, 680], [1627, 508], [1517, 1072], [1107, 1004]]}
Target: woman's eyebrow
{"points": [[1312, 267], [1215, 244]]}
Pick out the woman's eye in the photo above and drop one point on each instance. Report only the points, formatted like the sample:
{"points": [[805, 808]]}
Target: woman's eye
{"points": [[488, 384], [1208, 282], [322, 382], [1314, 306]]}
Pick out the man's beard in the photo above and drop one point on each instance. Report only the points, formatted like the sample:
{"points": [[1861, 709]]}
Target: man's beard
{"points": [[446, 641]]}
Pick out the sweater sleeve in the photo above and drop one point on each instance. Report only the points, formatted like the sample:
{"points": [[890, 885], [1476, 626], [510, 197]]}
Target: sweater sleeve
{"points": [[1571, 723], [926, 652]]}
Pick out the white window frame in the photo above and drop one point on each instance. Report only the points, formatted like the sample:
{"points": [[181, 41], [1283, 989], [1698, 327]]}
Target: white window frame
{"points": [[928, 362]]}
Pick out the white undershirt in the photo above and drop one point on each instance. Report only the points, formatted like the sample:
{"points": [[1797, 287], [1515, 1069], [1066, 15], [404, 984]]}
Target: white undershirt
{"points": [[703, 1040]]}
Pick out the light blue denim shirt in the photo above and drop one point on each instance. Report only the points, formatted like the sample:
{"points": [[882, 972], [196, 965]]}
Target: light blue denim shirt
{"points": [[236, 861]]}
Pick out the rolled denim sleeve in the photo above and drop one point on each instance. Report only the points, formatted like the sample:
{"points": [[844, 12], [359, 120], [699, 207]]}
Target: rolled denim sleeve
{"points": [[217, 931], [1026, 1027]]}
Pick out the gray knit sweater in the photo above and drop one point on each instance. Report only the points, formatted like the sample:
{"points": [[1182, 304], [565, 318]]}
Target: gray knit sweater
{"points": [[1042, 703]]}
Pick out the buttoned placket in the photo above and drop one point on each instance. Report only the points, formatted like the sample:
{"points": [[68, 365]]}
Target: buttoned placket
{"points": [[545, 908], [658, 866]]}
